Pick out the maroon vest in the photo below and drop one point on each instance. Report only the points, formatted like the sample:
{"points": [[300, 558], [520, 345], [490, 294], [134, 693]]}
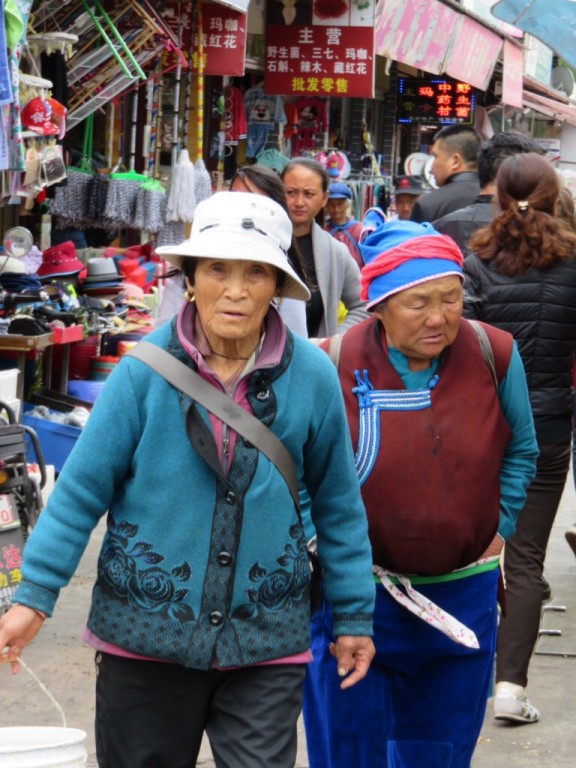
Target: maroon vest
{"points": [[432, 498]]}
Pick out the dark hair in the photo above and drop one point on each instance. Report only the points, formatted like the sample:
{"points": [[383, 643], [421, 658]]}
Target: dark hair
{"points": [[497, 149], [526, 234], [188, 266], [270, 184], [565, 209], [317, 168], [265, 179], [461, 139]]}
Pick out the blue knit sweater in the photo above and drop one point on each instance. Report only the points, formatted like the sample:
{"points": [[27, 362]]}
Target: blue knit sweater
{"points": [[193, 570]]}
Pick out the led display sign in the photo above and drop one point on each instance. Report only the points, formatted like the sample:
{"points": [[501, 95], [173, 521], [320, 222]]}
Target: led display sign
{"points": [[435, 101]]}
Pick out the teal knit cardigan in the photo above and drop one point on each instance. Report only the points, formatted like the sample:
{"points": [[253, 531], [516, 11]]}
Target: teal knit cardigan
{"points": [[194, 570]]}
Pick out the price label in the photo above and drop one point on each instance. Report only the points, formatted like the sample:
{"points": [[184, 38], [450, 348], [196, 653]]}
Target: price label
{"points": [[8, 518]]}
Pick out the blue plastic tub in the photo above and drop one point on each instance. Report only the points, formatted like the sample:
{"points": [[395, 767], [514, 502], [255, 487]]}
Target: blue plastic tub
{"points": [[56, 440], [85, 390]]}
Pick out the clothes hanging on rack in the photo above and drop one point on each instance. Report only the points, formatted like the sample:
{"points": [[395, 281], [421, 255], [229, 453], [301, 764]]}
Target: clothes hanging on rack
{"points": [[369, 193], [312, 120], [262, 114], [236, 126]]}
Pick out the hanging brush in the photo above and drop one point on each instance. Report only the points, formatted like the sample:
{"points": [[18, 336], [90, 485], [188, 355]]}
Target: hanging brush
{"points": [[182, 197]]}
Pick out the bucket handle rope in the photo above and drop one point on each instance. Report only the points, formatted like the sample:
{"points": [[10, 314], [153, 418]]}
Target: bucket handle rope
{"points": [[41, 685]]}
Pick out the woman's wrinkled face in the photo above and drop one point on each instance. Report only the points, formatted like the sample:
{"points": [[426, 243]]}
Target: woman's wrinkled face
{"points": [[422, 321], [233, 297], [337, 208], [304, 195]]}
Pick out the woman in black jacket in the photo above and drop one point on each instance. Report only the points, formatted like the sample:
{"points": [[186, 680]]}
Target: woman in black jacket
{"points": [[521, 277]]}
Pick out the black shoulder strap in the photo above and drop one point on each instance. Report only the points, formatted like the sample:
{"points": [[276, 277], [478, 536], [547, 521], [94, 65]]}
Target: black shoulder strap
{"points": [[186, 380]]}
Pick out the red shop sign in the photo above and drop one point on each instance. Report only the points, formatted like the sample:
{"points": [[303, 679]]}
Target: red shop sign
{"points": [[223, 41], [320, 48]]}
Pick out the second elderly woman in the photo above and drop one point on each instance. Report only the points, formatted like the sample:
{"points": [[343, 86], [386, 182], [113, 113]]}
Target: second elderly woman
{"points": [[445, 449]]}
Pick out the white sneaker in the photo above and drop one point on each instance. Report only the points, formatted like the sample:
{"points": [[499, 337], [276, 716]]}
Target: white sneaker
{"points": [[512, 704]]}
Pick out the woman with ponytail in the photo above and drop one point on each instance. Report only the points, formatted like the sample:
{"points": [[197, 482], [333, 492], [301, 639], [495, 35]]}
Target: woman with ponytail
{"points": [[521, 277]]}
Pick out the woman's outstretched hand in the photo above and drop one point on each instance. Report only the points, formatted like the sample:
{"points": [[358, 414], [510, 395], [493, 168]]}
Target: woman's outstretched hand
{"points": [[17, 627]]}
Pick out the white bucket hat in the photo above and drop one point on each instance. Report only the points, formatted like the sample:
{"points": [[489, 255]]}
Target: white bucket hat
{"points": [[244, 226]]}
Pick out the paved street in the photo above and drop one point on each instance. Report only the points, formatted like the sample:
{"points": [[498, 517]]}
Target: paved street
{"points": [[65, 667]]}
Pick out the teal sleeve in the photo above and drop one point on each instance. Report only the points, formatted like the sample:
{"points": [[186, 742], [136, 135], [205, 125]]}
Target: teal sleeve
{"points": [[519, 463]]}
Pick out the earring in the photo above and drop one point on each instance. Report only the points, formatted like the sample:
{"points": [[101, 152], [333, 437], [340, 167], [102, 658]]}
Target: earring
{"points": [[189, 296]]}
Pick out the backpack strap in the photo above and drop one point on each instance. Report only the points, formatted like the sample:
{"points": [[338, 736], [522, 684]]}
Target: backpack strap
{"points": [[496, 349], [334, 349]]}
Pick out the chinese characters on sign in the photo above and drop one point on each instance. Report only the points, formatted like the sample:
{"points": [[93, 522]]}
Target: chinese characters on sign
{"points": [[320, 48], [435, 101], [11, 545], [223, 41]]}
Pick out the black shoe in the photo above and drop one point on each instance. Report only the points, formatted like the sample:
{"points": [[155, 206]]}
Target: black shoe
{"points": [[546, 590], [570, 537]]}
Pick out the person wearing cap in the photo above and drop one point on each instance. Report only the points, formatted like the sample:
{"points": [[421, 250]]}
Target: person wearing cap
{"points": [[341, 225], [407, 189], [259, 180], [200, 610], [444, 453]]}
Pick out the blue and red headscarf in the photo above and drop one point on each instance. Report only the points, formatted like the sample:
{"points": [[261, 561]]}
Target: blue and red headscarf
{"points": [[401, 254]]}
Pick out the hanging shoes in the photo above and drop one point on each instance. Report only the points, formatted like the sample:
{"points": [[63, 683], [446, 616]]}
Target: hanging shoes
{"points": [[570, 537], [512, 704]]}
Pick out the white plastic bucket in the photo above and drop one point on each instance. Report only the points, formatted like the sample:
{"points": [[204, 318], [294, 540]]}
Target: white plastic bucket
{"points": [[42, 747]]}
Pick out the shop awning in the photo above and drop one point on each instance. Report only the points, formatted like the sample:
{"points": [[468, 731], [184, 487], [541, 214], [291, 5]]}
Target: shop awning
{"points": [[552, 21], [556, 110], [438, 39]]}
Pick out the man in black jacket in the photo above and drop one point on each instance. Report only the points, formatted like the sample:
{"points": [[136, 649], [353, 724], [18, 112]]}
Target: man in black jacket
{"points": [[462, 223], [455, 150]]}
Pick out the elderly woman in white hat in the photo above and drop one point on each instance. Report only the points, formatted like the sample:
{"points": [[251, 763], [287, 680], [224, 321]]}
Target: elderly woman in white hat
{"points": [[200, 610]]}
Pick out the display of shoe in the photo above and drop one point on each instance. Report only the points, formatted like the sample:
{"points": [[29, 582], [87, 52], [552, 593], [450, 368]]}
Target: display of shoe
{"points": [[512, 704], [546, 590], [570, 536]]}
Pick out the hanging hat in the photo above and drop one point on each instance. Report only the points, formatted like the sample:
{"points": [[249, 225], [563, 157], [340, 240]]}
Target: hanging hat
{"points": [[60, 260], [43, 116], [401, 254], [408, 185], [339, 191], [241, 226]]}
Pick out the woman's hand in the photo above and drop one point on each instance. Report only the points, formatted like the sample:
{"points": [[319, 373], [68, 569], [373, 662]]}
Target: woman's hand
{"points": [[353, 655], [17, 627]]}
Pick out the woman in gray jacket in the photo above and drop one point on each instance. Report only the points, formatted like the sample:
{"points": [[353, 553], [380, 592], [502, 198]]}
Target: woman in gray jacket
{"points": [[333, 274]]}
